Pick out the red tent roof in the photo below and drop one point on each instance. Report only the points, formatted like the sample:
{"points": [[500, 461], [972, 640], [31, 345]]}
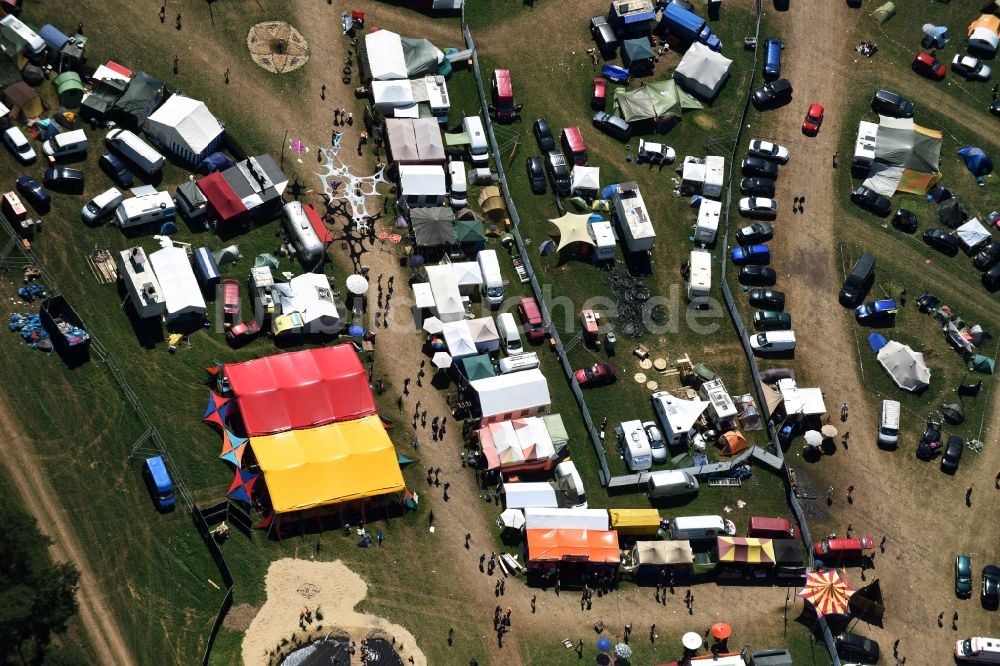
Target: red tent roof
{"points": [[563, 544], [317, 224], [221, 197], [115, 67], [301, 389]]}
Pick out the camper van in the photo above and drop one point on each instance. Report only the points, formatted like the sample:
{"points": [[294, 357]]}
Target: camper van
{"points": [[888, 423], [147, 209], [978, 650], [489, 266], [518, 362], [699, 283], [566, 473], [706, 228], [573, 146], [694, 528], [670, 483], [479, 151], [510, 335], [503, 96], [101, 206], [634, 446], [459, 192], [15, 31], [135, 150], [161, 487], [301, 234], [66, 144]]}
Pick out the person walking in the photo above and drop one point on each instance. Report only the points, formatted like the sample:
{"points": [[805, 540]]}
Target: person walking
{"points": [[835, 159], [829, 496], [225, 76], [533, 603], [468, 537], [968, 496], [451, 635]]}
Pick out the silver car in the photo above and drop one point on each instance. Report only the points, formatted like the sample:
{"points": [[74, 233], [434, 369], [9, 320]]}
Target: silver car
{"points": [[970, 68], [656, 444]]}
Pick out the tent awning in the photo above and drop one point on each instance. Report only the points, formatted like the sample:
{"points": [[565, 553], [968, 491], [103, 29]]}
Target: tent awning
{"points": [[573, 228], [516, 441]]}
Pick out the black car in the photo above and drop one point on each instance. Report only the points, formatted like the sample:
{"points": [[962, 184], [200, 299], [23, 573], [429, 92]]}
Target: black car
{"points": [[536, 174], [941, 241], [555, 164], [990, 594], [758, 232], [758, 166], [117, 171], [34, 193], [904, 220], [930, 442], [856, 647], [952, 454], [762, 187], [871, 201], [64, 179], [890, 104], [995, 107], [763, 276], [613, 125], [543, 135], [603, 35], [988, 257], [772, 94], [767, 299]]}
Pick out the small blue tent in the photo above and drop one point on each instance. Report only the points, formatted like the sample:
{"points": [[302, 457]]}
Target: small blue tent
{"points": [[976, 160]]}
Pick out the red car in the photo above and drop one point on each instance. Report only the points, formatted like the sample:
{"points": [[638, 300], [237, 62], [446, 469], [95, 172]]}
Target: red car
{"points": [[241, 333], [231, 298], [531, 315], [927, 65], [814, 118], [598, 374], [843, 548], [599, 98]]}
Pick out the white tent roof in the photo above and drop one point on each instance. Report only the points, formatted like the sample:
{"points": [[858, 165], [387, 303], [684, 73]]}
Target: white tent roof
{"points": [[971, 234], [905, 366], [984, 38], [422, 180], [681, 414], [459, 339], [702, 71], [468, 273], [524, 495], [385, 55], [513, 392], [807, 401], [178, 283], [569, 519], [484, 332], [511, 518], [103, 72], [517, 441], [664, 552], [586, 178], [182, 124], [310, 295], [392, 93], [447, 299]]}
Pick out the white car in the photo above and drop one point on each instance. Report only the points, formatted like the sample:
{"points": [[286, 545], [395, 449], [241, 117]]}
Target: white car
{"points": [[758, 207], [768, 150], [655, 153], [970, 68], [772, 342], [18, 144], [656, 444]]}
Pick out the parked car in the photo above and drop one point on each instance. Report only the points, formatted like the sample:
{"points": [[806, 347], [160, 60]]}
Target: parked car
{"points": [[927, 65], [990, 591], [988, 257], [34, 193], [242, 333], [970, 68], [599, 96], [543, 135], [751, 254], [612, 125], [656, 444], [771, 320], [941, 241], [767, 299], [768, 150], [905, 220], [871, 201], [536, 174], [929, 443], [116, 170], [772, 94], [758, 207], [813, 120], [18, 144], [763, 187], [856, 646], [604, 36], [875, 310], [531, 315], [555, 165], [757, 166], [963, 576], [952, 454], [840, 548], [763, 276], [888, 103], [758, 232], [64, 179], [230, 297], [599, 374], [773, 342]]}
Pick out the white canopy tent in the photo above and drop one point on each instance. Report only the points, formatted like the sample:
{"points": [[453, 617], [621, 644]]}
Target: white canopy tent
{"points": [[663, 552], [569, 519], [702, 71], [586, 181], [423, 184], [448, 304], [530, 495], [186, 128], [677, 416], [392, 95], [514, 395], [385, 55], [804, 401], [311, 296], [484, 333], [459, 340], [178, 284], [905, 366], [971, 235], [468, 276]]}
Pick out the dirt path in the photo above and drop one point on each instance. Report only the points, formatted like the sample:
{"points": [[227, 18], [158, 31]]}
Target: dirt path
{"points": [[21, 467]]}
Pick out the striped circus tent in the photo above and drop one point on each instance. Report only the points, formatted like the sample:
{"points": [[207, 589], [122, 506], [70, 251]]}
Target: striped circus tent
{"points": [[745, 550], [827, 591]]}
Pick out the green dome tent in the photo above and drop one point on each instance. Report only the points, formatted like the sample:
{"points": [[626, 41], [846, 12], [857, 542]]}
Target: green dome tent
{"points": [[884, 13], [70, 89]]}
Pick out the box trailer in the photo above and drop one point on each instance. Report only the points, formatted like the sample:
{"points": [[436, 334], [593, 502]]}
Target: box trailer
{"points": [[64, 326], [699, 282], [633, 219], [706, 228]]}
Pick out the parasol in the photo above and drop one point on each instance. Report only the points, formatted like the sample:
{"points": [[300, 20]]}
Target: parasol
{"points": [[513, 519], [691, 640], [433, 325], [603, 644], [356, 284], [355, 331], [829, 431], [722, 631], [827, 592], [813, 438], [623, 651], [442, 360]]}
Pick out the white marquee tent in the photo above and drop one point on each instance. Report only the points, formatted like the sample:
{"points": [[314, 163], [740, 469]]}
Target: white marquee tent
{"points": [[484, 333], [186, 128], [179, 286], [385, 55], [905, 366], [702, 71], [514, 395], [568, 519], [459, 340]]}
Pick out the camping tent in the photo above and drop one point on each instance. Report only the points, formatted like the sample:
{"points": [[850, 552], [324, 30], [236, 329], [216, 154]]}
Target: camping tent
{"points": [[516, 444], [661, 100], [731, 443], [420, 57], [746, 550], [585, 181], [433, 226], [484, 333], [300, 389], [514, 395], [702, 71], [547, 545], [143, 95], [884, 13], [415, 141], [186, 128], [572, 229], [573, 519], [976, 161], [477, 367], [906, 157], [905, 366], [22, 100], [181, 292], [53, 36], [982, 363], [97, 104], [984, 34], [935, 36], [459, 340], [384, 50], [70, 89], [637, 55], [972, 236], [952, 213]]}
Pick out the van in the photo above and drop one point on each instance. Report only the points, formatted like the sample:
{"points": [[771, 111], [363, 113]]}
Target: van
{"points": [[770, 528], [66, 144], [147, 209], [773, 342], [858, 281], [670, 483], [489, 266], [531, 315], [479, 151], [301, 233], [772, 59], [161, 487], [518, 362], [459, 184], [694, 528], [34, 45], [101, 206], [567, 475], [634, 446], [978, 650], [888, 423], [573, 147], [503, 95], [135, 150], [510, 335], [604, 36]]}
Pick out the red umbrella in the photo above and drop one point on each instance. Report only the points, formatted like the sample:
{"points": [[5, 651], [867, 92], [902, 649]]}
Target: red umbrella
{"points": [[722, 631]]}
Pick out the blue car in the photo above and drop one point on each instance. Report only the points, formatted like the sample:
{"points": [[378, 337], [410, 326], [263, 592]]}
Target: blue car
{"points": [[875, 309], [751, 254], [34, 193]]}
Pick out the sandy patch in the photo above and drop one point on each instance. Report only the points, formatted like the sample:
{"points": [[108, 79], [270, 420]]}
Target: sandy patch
{"points": [[292, 585]]}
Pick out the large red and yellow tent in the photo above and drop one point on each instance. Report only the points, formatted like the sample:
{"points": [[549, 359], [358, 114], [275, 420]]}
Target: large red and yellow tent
{"points": [[828, 592]]}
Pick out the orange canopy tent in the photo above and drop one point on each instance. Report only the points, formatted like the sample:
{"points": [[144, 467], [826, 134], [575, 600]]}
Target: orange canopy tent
{"points": [[554, 545], [731, 443]]}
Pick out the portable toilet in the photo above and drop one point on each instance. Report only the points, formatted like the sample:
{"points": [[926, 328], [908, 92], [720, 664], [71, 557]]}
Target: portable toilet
{"points": [[206, 269]]}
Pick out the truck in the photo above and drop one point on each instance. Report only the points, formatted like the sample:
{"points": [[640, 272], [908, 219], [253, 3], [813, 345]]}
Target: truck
{"points": [[699, 281], [706, 228], [64, 326], [633, 218], [687, 25]]}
